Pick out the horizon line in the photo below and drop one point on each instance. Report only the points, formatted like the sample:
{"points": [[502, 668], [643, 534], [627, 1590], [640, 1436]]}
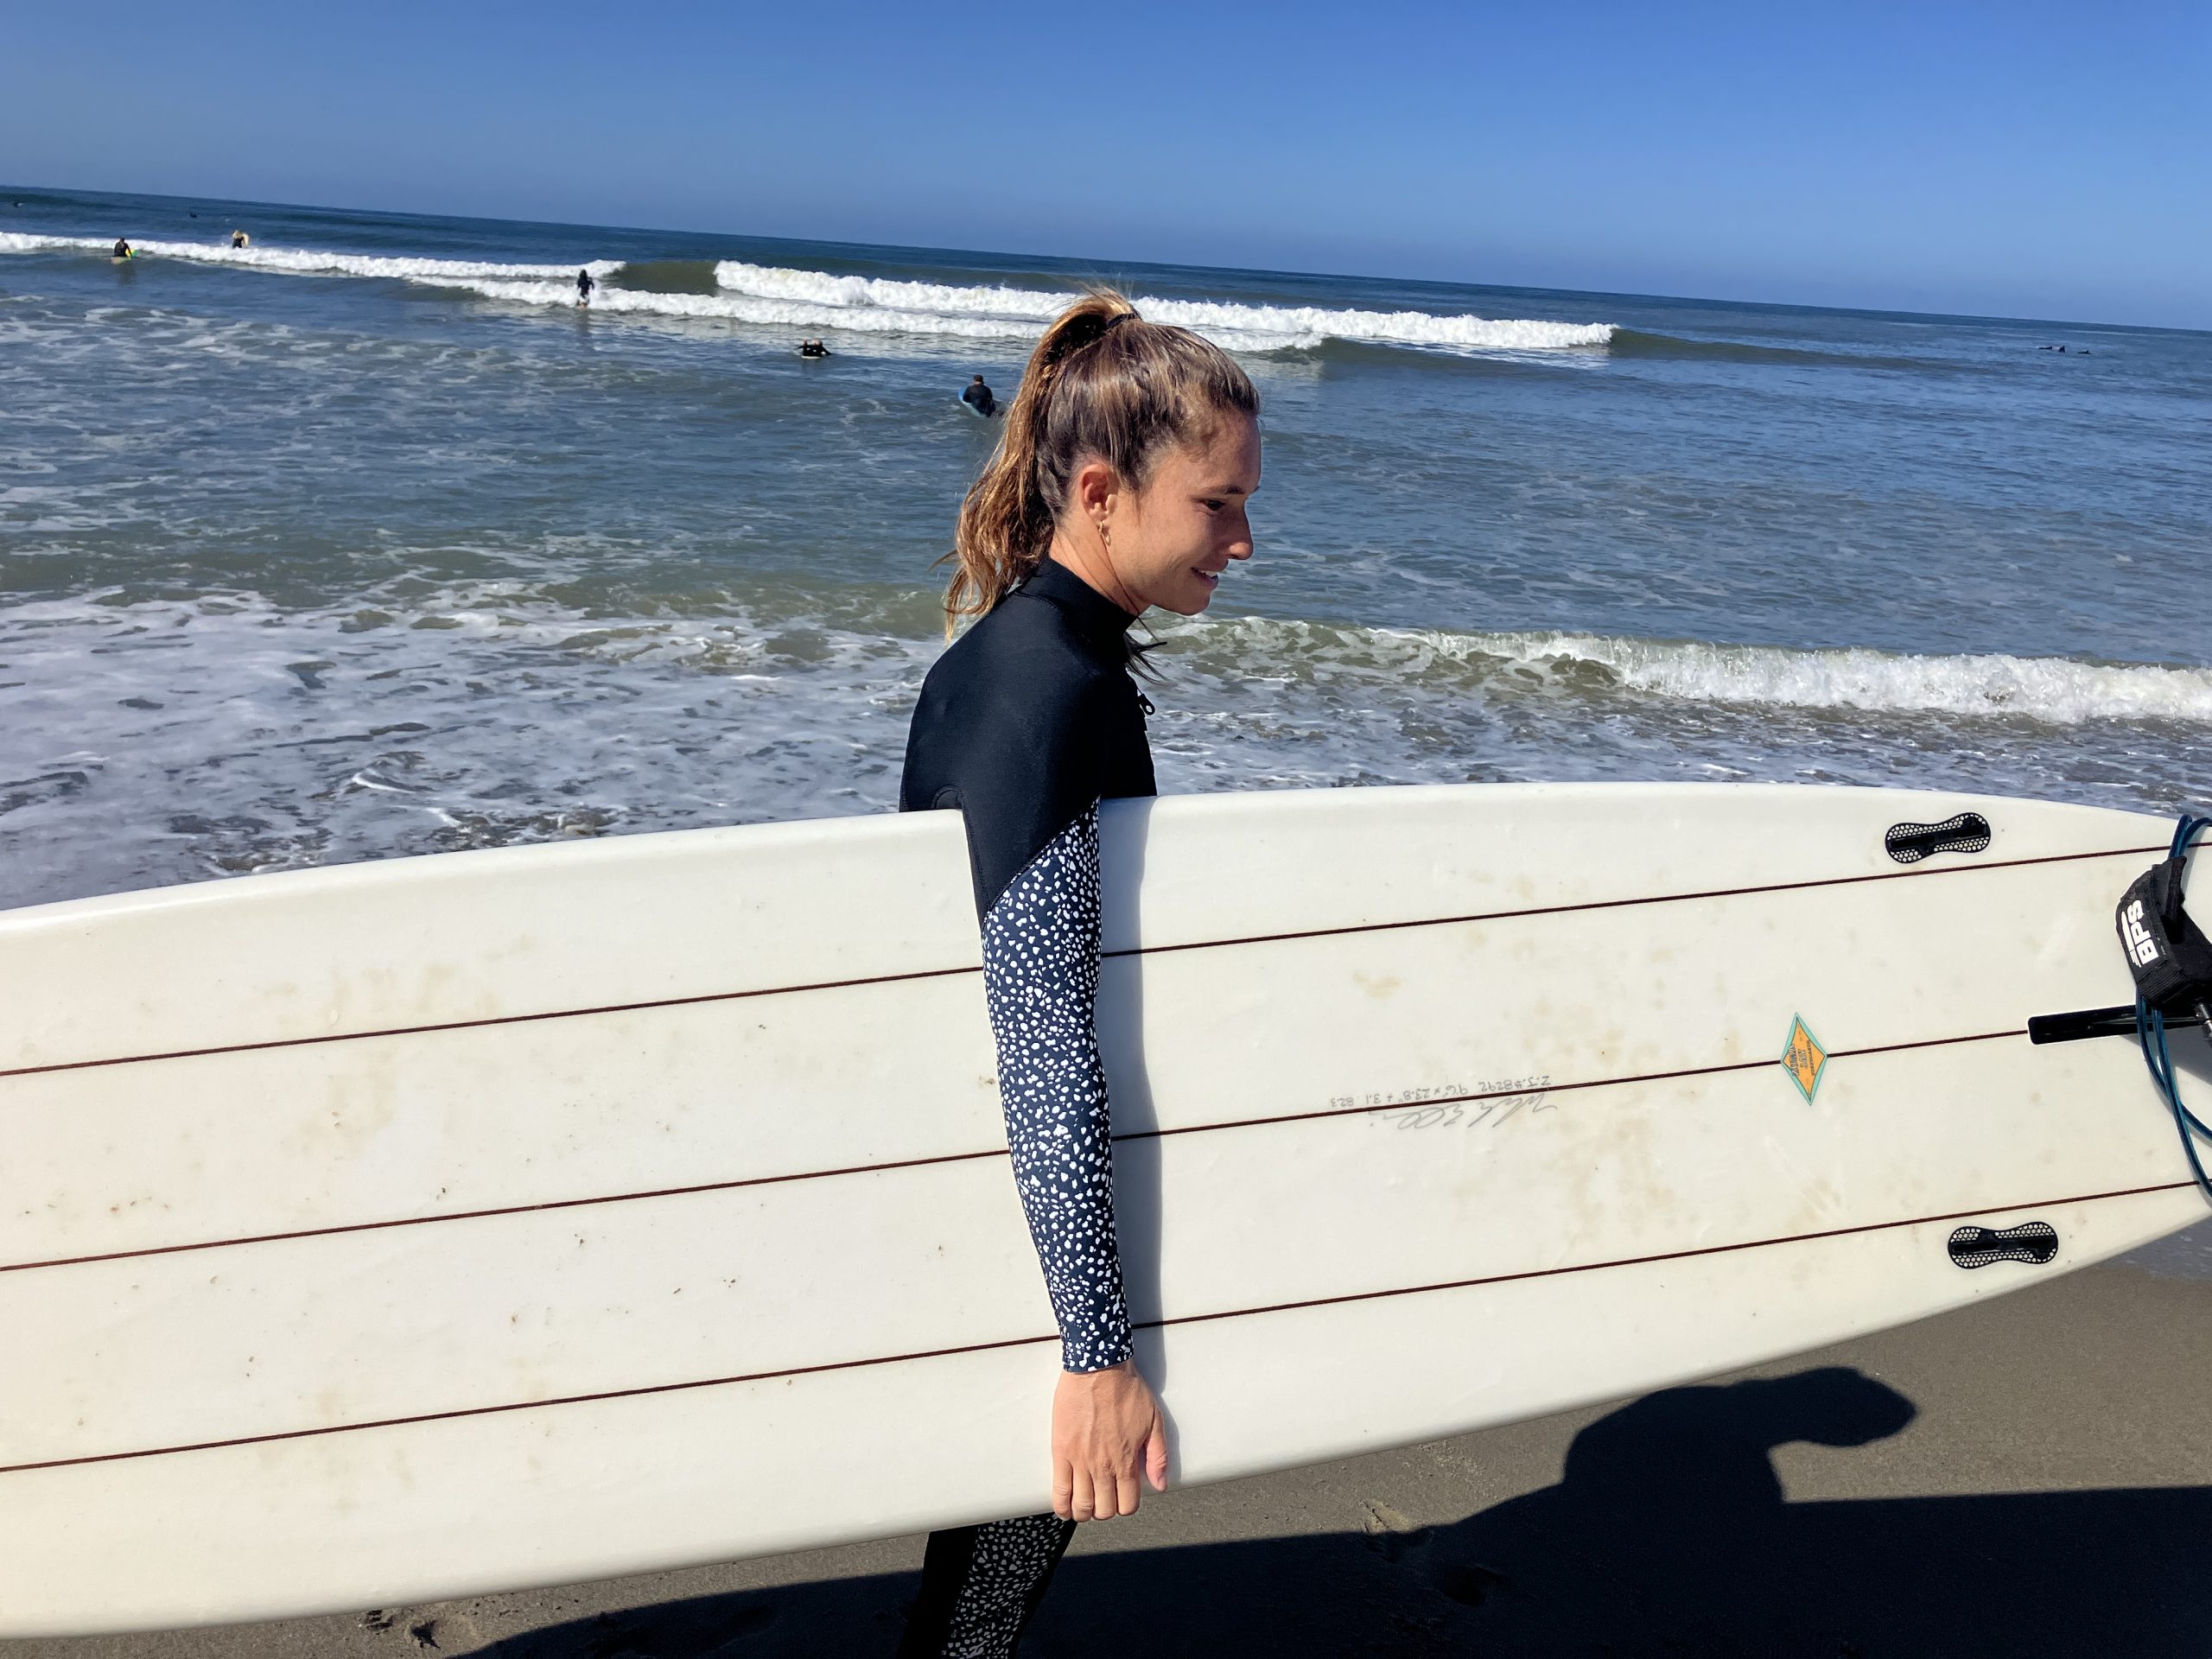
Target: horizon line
{"points": [[1096, 266]]}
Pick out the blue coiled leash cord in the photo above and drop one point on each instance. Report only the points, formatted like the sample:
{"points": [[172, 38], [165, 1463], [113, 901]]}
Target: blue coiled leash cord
{"points": [[2151, 1030]]}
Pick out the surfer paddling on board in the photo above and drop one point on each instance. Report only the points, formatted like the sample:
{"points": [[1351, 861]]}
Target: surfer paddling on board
{"points": [[1119, 483], [978, 398]]}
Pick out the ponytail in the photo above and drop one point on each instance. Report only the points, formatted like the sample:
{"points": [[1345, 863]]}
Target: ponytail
{"points": [[1102, 384]]}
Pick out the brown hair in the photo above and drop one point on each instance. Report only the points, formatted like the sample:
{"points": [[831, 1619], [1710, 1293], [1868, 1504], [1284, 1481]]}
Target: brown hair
{"points": [[1102, 384]]}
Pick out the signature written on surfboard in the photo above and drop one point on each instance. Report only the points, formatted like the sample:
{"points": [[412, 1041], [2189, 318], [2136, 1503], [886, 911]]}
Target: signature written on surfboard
{"points": [[1442, 1107]]}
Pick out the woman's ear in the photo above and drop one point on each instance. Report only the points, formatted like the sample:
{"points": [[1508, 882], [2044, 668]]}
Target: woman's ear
{"points": [[1095, 485]]}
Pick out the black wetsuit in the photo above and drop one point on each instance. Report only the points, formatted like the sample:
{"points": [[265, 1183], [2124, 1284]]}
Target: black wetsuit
{"points": [[978, 396], [584, 286], [1026, 724]]}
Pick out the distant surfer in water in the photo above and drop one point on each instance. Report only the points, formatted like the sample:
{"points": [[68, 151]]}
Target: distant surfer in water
{"points": [[978, 398], [122, 250], [812, 348], [584, 286], [240, 239], [1029, 720]]}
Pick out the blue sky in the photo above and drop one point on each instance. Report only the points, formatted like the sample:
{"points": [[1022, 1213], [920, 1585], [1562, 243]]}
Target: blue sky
{"points": [[2024, 159]]}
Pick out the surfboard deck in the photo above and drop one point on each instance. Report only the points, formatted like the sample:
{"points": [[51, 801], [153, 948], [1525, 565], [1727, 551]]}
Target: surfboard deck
{"points": [[449, 1225]]}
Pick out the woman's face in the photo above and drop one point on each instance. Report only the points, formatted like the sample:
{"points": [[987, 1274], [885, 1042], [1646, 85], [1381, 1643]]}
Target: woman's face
{"points": [[1168, 543]]}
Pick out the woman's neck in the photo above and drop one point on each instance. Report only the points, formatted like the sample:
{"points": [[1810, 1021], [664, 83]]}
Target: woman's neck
{"points": [[1097, 570]]}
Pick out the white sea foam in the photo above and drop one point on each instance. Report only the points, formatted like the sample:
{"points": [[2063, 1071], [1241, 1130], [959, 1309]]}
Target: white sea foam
{"points": [[1387, 328], [883, 304], [157, 738], [819, 288], [790, 297], [812, 317], [310, 261], [761, 312], [2053, 690]]}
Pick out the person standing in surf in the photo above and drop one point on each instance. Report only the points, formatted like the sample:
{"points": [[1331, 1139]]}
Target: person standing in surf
{"points": [[1119, 483], [584, 286]]}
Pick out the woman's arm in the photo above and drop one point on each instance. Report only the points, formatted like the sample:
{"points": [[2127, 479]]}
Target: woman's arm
{"points": [[1040, 979]]}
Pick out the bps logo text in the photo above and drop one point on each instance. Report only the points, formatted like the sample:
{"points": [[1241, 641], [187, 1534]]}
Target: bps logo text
{"points": [[2142, 948]]}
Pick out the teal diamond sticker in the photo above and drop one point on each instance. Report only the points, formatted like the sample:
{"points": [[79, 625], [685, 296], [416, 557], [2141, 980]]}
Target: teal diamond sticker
{"points": [[1803, 1058]]}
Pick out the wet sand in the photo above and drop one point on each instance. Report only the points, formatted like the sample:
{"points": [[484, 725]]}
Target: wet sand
{"points": [[2029, 1476]]}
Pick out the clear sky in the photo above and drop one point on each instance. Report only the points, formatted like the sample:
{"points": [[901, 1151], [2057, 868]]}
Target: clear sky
{"points": [[2025, 159]]}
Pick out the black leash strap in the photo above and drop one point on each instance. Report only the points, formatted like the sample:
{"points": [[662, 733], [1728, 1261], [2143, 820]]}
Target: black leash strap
{"points": [[2172, 962]]}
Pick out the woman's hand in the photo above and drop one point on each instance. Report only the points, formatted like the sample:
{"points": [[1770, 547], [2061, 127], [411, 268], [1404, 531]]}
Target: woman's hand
{"points": [[1105, 1424]]}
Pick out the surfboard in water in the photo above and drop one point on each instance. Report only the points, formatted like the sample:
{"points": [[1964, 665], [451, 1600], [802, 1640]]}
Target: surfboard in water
{"points": [[458, 1224]]}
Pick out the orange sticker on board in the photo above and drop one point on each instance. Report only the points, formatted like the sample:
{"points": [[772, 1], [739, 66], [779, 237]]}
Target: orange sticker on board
{"points": [[1803, 1058]]}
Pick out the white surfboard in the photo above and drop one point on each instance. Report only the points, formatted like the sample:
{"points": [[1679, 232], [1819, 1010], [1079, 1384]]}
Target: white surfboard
{"points": [[452, 1224]]}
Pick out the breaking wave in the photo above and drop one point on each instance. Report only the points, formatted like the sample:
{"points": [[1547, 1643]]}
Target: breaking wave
{"points": [[746, 309], [784, 297], [315, 261], [2057, 691], [883, 303]]}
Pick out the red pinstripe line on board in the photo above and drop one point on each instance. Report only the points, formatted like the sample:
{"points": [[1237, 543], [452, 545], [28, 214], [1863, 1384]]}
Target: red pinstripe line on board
{"points": [[1144, 950], [940, 1158], [1026, 1342]]}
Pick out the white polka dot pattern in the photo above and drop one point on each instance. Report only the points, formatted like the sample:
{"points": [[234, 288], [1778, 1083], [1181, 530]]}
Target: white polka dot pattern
{"points": [[1040, 979], [1005, 1576]]}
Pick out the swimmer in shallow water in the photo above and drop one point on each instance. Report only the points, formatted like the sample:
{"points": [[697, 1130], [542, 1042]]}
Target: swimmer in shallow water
{"points": [[584, 286]]}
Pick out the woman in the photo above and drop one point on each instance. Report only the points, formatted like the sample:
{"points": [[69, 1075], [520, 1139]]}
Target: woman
{"points": [[1119, 483]]}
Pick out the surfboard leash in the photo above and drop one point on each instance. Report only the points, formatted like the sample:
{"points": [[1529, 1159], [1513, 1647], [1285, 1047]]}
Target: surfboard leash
{"points": [[2171, 960]]}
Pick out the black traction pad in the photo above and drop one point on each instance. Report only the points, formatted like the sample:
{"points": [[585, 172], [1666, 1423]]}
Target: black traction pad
{"points": [[1909, 843], [2033, 1241]]}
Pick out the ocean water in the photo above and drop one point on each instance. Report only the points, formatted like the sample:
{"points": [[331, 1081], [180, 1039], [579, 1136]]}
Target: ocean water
{"points": [[365, 542]]}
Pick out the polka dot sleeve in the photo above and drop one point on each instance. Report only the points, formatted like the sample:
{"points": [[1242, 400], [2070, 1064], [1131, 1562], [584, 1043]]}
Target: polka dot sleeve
{"points": [[1040, 979]]}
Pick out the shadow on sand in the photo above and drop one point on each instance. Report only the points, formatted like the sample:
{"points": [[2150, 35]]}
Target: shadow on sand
{"points": [[1669, 1536]]}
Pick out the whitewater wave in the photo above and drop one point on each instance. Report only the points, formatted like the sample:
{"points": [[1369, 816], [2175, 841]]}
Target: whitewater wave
{"points": [[315, 261], [820, 288], [883, 301], [785, 297], [858, 305], [765, 313], [2056, 691]]}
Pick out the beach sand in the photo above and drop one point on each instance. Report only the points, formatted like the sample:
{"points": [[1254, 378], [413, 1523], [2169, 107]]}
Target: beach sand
{"points": [[2029, 1476]]}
